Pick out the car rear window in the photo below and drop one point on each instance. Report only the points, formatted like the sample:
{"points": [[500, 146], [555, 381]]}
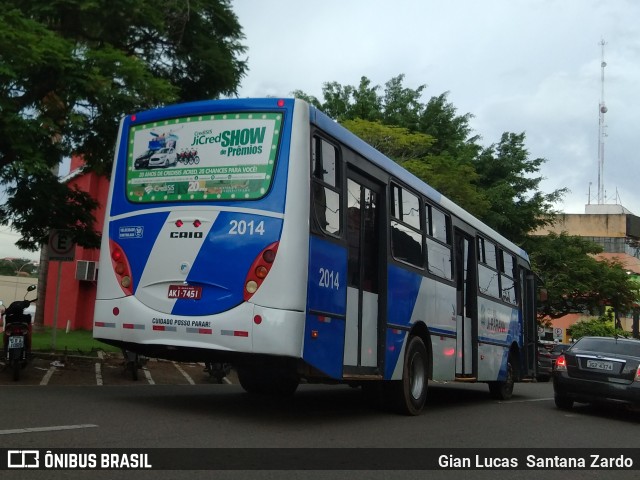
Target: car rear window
{"points": [[608, 345]]}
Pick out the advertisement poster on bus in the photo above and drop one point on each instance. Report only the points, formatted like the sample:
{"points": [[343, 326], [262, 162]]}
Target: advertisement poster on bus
{"points": [[205, 157]]}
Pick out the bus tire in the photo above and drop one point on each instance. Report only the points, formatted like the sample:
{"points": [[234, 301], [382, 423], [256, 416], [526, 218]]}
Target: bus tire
{"points": [[411, 391], [503, 390]]}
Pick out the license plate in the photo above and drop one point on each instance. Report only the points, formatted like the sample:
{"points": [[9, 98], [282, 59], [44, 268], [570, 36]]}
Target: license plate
{"points": [[185, 291], [16, 342], [599, 365]]}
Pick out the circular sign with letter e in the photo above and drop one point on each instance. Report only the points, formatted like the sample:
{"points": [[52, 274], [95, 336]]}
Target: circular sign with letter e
{"points": [[61, 246]]}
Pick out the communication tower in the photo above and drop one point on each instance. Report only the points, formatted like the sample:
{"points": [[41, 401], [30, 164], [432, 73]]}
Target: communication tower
{"points": [[602, 109]]}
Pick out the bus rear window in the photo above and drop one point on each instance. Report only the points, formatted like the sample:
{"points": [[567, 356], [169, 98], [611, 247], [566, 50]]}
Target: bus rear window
{"points": [[227, 156]]}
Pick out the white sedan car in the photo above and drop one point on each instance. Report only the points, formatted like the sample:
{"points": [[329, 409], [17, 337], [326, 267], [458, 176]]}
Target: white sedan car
{"points": [[163, 158]]}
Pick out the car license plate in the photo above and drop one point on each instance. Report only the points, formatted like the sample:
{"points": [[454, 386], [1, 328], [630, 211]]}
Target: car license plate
{"points": [[185, 291], [16, 342], [599, 365]]}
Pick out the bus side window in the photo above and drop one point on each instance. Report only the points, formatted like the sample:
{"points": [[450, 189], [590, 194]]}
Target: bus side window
{"points": [[439, 249], [507, 278], [406, 235], [488, 278], [325, 187]]}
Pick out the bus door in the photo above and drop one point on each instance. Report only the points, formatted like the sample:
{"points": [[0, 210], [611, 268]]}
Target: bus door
{"points": [[467, 302], [362, 351]]}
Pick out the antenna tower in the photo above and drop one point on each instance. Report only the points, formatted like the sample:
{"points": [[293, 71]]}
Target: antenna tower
{"points": [[602, 109]]}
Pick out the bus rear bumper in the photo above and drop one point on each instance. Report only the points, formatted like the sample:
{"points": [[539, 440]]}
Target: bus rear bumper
{"points": [[245, 329]]}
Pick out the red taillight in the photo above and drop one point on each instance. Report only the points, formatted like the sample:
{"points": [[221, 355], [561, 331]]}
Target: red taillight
{"points": [[561, 363], [121, 267], [637, 379], [259, 270], [16, 329]]}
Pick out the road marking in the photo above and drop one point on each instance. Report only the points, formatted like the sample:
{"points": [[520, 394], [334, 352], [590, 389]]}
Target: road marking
{"points": [[47, 376], [147, 374], [530, 400], [46, 429], [98, 373], [185, 374]]}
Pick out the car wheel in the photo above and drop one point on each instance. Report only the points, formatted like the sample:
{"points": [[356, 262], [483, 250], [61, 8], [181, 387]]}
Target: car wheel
{"points": [[562, 402]]}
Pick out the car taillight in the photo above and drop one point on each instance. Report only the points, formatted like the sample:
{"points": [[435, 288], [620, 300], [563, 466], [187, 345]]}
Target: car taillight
{"points": [[121, 267], [259, 270], [637, 379], [561, 363]]}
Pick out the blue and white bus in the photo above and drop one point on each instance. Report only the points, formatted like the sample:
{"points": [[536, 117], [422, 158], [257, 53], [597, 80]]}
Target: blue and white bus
{"points": [[267, 236]]}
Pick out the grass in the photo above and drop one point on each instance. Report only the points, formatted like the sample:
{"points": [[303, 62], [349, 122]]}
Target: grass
{"points": [[76, 342]]}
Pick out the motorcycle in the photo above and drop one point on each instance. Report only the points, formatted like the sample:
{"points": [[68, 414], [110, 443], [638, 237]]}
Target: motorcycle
{"points": [[17, 334]]}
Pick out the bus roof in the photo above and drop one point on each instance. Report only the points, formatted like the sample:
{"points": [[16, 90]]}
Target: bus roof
{"points": [[333, 128]]}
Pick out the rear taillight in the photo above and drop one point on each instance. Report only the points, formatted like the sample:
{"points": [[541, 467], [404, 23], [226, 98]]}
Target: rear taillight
{"points": [[259, 270], [16, 329], [561, 363], [637, 379], [121, 267]]}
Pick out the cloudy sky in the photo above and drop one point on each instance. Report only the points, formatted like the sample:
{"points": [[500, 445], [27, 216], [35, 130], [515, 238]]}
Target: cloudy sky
{"points": [[528, 66]]}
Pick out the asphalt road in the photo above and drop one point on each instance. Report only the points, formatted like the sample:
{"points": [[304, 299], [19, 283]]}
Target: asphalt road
{"points": [[174, 413], [106, 370]]}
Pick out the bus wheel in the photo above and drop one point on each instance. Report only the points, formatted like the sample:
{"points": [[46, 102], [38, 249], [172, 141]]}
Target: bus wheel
{"points": [[411, 391], [503, 390]]}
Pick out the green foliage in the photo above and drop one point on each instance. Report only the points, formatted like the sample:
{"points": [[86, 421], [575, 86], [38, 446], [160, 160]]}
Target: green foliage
{"points": [[70, 69], [509, 178], [602, 326], [13, 266], [575, 280], [497, 184], [75, 342], [398, 143]]}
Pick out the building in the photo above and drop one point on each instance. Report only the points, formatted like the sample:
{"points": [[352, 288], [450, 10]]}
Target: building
{"points": [[77, 288], [617, 231]]}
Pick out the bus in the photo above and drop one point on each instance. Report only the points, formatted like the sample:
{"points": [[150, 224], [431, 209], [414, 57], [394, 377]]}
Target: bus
{"points": [[295, 251]]}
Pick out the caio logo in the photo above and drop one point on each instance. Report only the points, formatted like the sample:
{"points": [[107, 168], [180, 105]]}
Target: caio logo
{"points": [[185, 235]]}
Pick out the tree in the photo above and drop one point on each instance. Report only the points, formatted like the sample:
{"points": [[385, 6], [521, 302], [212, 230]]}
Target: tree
{"points": [[69, 70], [15, 266], [430, 140], [602, 326], [509, 178], [577, 282]]}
